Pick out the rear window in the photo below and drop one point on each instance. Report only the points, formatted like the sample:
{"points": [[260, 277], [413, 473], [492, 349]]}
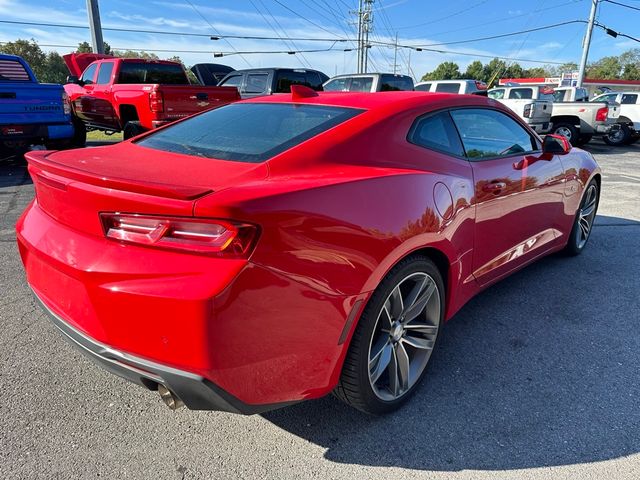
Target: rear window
{"points": [[391, 83], [521, 93], [12, 71], [424, 87], [448, 87], [165, 73], [247, 132]]}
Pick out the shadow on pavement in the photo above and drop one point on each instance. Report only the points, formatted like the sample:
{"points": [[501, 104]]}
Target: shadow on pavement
{"points": [[13, 171], [538, 370], [599, 148]]}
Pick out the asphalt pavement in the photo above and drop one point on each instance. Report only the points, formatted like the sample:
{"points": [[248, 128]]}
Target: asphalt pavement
{"points": [[536, 378]]}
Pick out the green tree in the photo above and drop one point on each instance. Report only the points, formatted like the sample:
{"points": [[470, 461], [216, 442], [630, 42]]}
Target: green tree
{"points": [[444, 71], [135, 54], [557, 70], [536, 72], [494, 70], [475, 71], [631, 72], [30, 51], [85, 47], [606, 68], [55, 70]]}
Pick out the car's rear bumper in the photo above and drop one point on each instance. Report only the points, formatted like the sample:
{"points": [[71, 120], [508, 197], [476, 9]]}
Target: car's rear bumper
{"points": [[606, 128], [195, 391]]}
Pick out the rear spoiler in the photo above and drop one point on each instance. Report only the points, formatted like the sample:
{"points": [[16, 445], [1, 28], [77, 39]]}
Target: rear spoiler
{"points": [[210, 74], [77, 62]]}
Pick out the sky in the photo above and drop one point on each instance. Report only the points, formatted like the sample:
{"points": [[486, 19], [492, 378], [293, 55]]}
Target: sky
{"points": [[416, 22]]}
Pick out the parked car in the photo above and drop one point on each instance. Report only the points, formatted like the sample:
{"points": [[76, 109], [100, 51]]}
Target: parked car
{"points": [[277, 249], [258, 82], [461, 87], [534, 105], [629, 119], [578, 120], [210, 74], [369, 82], [135, 95], [32, 112]]}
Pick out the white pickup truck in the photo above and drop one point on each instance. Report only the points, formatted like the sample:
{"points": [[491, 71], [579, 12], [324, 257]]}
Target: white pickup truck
{"points": [[578, 119], [629, 118], [533, 104]]}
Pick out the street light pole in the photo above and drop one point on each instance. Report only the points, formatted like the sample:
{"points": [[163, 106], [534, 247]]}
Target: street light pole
{"points": [[587, 42], [95, 26]]}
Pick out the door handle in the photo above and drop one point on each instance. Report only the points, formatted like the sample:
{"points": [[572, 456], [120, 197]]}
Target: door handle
{"points": [[494, 187]]}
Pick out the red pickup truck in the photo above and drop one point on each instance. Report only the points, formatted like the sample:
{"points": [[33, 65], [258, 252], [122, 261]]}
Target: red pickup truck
{"points": [[135, 95]]}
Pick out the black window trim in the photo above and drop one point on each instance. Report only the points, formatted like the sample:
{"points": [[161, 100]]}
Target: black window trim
{"points": [[418, 119]]}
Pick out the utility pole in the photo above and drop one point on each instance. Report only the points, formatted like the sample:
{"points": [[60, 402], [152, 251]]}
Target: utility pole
{"points": [[587, 42], [365, 21], [95, 26], [395, 56]]}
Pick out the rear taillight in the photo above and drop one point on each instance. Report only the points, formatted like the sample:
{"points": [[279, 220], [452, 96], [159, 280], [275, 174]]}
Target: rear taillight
{"points": [[529, 108], [219, 237], [66, 104], [481, 85], [601, 115], [156, 102]]}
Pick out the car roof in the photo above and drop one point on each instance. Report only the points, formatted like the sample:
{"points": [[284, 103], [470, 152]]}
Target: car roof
{"points": [[265, 69], [7, 56], [394, 101], [368, 74]]}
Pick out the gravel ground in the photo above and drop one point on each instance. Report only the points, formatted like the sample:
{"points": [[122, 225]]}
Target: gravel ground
{"points": [[535, 378]]}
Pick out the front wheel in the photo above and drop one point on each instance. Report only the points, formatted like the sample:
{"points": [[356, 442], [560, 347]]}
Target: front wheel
{"points": [[394, 340], [568, 131], [132, 129], [584, 220]]}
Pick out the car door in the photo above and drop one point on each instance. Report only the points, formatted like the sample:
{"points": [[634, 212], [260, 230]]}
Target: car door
{"points": [[83, 104], [103, 112], [518, 193]]}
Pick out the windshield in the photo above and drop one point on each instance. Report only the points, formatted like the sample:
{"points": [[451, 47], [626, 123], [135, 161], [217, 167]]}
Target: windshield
{"points": [[247, 132]]}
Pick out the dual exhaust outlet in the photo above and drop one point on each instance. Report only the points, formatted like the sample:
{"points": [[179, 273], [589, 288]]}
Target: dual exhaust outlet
{"points": [[169, 398]]}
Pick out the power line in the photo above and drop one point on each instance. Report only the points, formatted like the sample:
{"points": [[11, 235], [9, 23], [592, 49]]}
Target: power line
{"points": [[215, 30], [303, 17], [622, 5], [445, 17]]}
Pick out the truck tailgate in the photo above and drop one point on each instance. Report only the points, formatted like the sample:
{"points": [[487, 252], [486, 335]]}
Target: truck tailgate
{"points": [[29, 103], [184, 100]]}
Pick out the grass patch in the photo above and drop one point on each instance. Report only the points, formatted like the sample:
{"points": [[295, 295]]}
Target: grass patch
{"points": [[100, 136]]}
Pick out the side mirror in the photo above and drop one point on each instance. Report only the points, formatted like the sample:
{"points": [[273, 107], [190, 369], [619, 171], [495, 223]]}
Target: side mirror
{"points": [[556, 145], [73, 79]]}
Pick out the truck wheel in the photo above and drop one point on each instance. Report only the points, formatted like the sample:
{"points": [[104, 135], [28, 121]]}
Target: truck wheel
{"points": [[584, 139], [132, 129], [568, 131], [618, 137], [79, 139]]}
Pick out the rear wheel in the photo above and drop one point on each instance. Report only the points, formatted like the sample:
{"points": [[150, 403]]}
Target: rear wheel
{"points": [[568, 131], [619, 136], [394, 340], [132, 129], [585, 218]]}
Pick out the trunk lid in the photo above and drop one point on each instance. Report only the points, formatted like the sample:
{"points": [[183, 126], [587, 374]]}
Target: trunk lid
{"points": [[75, 186]]}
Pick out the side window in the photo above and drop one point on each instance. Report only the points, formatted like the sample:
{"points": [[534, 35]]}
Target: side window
{"points": [[89, 74], [521, 93], [558, 96], [496, 93], [361, 84], [582, 95], [437, 132], [286, 79], [488, 134], [337, 85], [629, 99], [448, 87], [233, 81], [314, 81], [425, 87], [391, 83], [104, 75], [256, 83]]}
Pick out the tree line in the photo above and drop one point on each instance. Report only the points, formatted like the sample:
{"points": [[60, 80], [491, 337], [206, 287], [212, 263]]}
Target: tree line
{"points": [[49, 67], [622, 67]]}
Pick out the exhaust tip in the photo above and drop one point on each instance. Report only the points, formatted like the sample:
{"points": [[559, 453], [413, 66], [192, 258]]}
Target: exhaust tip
{"points": [[169, 398]]}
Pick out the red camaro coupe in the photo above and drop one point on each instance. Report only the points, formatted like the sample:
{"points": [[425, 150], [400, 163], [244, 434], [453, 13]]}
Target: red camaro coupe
{"points": [[278, 249]]}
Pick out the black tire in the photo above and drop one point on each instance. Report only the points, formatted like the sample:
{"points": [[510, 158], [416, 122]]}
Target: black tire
{"points": [[577, 242], [569, 131], [354, 387], [132, 129], [584, 139], [619, 137], [79, 139]]}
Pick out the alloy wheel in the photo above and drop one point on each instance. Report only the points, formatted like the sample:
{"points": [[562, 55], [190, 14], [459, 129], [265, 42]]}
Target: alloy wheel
{"points": [[404, 336], [587, 215], [565, 132]]}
